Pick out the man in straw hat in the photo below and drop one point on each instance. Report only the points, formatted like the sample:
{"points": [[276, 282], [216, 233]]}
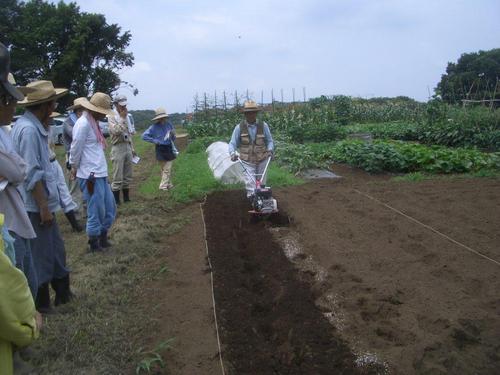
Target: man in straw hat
{"points": [[122, 150], [41, 196], [76, 194], [89, 166], [162, 135], [254, 141]]}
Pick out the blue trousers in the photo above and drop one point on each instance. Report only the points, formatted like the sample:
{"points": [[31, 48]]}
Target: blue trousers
{"points": [[47, 250], [24, 262], [101, 206]]}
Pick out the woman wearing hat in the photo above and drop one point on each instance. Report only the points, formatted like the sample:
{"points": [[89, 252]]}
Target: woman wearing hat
{"points": [[30, 135], [162, 135], [89, 166]]}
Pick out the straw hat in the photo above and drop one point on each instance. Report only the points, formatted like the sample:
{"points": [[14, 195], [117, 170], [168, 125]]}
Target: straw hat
{"points": [[159, 114], [100, 103], [250, 106], [55, 114], [42, 92], [77, 103]]}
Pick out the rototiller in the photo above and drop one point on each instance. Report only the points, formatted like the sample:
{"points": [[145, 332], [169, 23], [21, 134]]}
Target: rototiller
{"points": [[262, 200]]}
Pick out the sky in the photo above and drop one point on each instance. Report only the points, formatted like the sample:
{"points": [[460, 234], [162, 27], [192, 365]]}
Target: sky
{"points": [[360, 48]]}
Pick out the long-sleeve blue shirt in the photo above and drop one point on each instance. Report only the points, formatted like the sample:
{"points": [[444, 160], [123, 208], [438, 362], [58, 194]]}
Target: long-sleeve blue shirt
{"points": [[234, 144], [156, 134]]}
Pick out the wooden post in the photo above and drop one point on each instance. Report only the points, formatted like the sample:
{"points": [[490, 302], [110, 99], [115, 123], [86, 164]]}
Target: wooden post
{"points": [[272, 99]]}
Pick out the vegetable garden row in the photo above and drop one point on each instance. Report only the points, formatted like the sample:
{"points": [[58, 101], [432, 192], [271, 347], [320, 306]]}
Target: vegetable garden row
{"points": [[431, 137]]}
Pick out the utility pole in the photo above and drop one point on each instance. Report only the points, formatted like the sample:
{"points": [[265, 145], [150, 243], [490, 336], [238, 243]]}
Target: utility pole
{"points": [[247, 95], [293, 94], [262, 98], [304, 92], [282, 96], [225, 104]]}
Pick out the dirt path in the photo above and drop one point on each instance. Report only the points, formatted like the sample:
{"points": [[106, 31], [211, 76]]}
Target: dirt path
{"points": [[180, 304]]}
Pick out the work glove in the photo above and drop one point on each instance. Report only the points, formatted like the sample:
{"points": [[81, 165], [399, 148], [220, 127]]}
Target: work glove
{"points": [[234, 157], [269, 154]]}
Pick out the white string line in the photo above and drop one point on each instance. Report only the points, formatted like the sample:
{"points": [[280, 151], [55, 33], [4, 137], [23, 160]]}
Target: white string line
{"points": [[212, 282], [429, 227]]}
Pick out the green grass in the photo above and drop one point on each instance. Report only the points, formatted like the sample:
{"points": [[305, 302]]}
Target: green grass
{"points": [[193, 178]]}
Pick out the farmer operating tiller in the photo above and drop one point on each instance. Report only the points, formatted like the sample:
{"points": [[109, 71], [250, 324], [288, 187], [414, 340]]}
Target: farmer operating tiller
{"points": [[255, 143]]}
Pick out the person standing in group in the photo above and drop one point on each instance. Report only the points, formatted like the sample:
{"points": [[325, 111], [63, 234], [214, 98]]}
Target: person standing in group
{"points": [[255, 143], [76, 194], [122, 150], [89, 166], [41, 196], [162, 135], [12, 174], [65, 199]]}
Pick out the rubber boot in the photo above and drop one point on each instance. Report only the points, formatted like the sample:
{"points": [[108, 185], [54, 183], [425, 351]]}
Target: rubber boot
{"points": [[94, 244], [103, 240], [126, 197], [42, 302], [62, 289], [70, 215], [117, 196]]}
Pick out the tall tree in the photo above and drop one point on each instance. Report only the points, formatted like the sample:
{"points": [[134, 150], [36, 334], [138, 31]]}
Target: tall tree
{"points": [[74, 49], [474, 76]]}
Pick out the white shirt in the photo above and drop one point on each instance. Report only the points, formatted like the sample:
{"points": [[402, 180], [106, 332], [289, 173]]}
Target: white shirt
{"points": [[87, 154]]}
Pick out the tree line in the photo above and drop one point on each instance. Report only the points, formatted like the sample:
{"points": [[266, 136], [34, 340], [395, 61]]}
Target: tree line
{"points": [[60, 43]]}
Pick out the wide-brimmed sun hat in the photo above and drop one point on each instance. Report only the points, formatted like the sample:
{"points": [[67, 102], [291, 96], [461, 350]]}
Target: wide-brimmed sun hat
{"points": [[42, 92], [4, 74], [77, 103], [100, 103], [159, 114], [250, 106]]}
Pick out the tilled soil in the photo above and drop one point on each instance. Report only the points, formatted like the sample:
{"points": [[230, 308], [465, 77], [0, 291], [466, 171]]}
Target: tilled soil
{"points": [[351, 286], [269, 321]]}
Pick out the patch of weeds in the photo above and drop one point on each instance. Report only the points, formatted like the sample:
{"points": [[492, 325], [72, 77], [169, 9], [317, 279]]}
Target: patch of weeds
{"points": [[153, 359], [487, 173], [411, 177], [163, 271]]}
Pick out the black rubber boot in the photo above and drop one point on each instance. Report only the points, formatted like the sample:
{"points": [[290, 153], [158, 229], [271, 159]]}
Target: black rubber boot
{"points": [[126, 197], [117, 196], [94, 244], [73, 221], [42, 302], [63, 291], [103, 240]]}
